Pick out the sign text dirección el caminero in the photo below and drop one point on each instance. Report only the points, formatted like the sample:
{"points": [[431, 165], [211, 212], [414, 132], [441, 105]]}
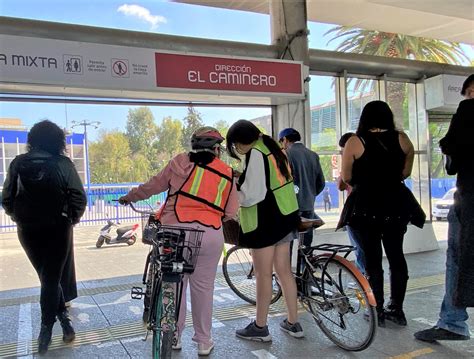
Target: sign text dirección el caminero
{"points": [[227, 74]]}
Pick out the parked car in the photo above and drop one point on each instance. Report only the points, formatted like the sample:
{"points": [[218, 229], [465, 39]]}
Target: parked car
{"points": [[441, 207]]}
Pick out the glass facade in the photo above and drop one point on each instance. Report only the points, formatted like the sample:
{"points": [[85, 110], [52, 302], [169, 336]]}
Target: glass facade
{"points": [[336, 105]]}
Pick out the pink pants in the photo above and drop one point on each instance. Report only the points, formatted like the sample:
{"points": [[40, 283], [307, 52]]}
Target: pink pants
{"points": [[201, 284]]}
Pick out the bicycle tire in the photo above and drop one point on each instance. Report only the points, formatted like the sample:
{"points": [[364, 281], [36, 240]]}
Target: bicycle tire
{"points": [[162, 341], [151, 269], [237, 267], [341, 303]]}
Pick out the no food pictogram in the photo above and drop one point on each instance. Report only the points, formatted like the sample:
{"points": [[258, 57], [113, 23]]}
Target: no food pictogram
{"points": [[120, 68]]}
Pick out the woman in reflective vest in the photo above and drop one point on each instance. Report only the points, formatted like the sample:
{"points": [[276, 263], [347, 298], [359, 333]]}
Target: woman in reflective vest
{"points": [[268, 219], [201, 194]]}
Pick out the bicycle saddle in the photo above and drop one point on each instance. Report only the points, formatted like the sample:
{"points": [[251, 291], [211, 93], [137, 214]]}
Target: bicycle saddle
{"points": [[306, 224]]}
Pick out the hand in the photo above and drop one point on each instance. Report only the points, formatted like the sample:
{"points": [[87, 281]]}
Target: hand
{"points": [[123, 200]]}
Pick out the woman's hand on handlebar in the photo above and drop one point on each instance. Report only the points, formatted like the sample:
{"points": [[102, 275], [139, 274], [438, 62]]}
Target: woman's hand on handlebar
{"points": [[124, 201]]}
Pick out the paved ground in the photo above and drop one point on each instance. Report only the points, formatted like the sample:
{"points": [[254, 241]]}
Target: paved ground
{"points": [[109, 326]]}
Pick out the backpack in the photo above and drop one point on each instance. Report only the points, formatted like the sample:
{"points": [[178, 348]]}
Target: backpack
{"points": [[40, 195]]}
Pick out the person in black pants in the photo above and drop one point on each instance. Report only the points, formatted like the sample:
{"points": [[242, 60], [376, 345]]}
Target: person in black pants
{"points": [[44, 195], [375, 162]]}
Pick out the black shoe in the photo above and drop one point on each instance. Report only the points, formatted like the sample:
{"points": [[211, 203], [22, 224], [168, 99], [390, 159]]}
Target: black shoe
{"points": [[68, 331], [381, 319], [437, 333], [44, 338], [396, 315]]}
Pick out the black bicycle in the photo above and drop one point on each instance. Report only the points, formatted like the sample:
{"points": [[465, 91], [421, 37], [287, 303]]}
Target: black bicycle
{"points": [[173, 253], [330, 288]]}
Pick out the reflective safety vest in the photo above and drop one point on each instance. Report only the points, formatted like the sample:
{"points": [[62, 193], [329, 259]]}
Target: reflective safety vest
{"points": [[282, 189], [203, 196]]}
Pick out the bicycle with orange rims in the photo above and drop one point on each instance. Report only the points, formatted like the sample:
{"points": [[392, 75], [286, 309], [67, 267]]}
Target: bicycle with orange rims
{"points": [[330, 288]]}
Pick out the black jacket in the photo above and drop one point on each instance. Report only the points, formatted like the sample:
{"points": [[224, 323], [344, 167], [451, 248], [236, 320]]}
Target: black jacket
{"points": [[71, 189], [458, 144]]}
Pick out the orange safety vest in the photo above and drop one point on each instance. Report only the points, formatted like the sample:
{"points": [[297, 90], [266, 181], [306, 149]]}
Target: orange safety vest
{"points": [[203, 196]]}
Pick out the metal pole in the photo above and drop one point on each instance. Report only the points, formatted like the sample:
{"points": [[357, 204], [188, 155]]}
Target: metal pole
{"points": [[85, 124]]}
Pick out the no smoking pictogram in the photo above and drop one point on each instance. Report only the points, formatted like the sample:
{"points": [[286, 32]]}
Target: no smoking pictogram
{"points": [[120, 68]]}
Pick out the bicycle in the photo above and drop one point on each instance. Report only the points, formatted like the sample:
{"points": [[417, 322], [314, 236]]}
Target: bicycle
{"points": [[330, 288], [237, 267], [174, 251]]}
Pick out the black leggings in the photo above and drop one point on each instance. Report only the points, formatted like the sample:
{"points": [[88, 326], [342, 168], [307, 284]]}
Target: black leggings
{"points": [[47, 248], [371, 241]]}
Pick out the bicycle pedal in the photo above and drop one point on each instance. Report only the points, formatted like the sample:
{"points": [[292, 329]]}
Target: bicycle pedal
{"points": [[137, 293]]}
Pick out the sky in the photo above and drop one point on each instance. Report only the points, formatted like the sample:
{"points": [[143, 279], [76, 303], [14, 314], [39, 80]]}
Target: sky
{"points": [[161, 17]]}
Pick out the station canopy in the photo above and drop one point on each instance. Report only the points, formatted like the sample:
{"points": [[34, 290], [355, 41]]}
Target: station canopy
{"points": [[450, 20]]}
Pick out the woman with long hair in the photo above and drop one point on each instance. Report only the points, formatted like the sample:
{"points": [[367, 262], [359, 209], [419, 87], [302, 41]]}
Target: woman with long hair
{"points": [[44, 195], [201, 193], [268, 219], [375, 162]]}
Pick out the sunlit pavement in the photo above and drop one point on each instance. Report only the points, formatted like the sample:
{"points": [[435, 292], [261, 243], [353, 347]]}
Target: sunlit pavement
{"points": [[109, 324]]}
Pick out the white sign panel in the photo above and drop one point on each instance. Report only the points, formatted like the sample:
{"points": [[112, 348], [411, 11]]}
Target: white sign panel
{"points": [[76, 64], [443, 92], [77, 67]]}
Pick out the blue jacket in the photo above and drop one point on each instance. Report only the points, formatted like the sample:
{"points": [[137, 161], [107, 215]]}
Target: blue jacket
{"points": [[307, 174]]}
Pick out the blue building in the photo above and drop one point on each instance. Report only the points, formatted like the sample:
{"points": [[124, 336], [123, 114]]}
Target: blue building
{"points": [[13, 142]]}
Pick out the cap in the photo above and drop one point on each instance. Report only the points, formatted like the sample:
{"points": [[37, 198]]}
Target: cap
{"points": [[286, 132]]}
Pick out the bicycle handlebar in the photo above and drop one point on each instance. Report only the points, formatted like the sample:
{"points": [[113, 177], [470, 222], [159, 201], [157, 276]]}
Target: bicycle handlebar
{"points": [[135, 209]]}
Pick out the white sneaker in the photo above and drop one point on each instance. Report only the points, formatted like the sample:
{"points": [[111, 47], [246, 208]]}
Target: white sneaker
{"points": [[205, 349], [176, 344], [68, 304]]}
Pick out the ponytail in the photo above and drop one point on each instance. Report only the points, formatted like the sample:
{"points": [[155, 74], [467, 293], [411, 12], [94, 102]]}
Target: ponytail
{"points": [[280, 158]]}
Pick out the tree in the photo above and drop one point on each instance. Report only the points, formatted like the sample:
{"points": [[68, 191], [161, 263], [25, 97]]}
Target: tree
{"points": [[397, 45], [192, 122], [110, 159], [141, 130], [222, 126], [169, 140]]}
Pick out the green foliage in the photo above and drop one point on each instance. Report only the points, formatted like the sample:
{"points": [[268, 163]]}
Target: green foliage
{"points": [[141, 129], [145, 148], [397, 45], [169, 140], [192, 122], [437, 131], [110, 159]]}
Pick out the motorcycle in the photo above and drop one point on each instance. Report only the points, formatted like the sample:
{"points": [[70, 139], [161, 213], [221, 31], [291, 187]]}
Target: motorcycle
{"points": [[125, 234]]}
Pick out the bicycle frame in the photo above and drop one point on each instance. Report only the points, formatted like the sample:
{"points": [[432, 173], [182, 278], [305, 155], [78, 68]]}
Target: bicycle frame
{"points": [[174, 253], [305, 254]]}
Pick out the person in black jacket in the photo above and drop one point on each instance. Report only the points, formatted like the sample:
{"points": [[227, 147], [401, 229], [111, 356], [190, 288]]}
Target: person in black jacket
{"points": [[459, 292], [44, 195]]}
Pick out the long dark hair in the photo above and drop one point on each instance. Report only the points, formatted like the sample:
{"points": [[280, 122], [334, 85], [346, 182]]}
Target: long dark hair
{"points": [[47, 136], [245, 132], [376, 114], [201, 158]]}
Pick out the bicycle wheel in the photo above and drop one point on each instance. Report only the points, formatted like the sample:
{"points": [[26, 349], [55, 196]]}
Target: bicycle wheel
{"points": [[151, 270], [239, 275], [162, 341], [341, 302]]}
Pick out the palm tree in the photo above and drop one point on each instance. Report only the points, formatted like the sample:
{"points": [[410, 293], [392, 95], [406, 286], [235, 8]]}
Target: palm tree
{"points": [[388, 44], [379, 43]]}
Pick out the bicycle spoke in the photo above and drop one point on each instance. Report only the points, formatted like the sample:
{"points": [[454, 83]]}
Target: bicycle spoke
{"points": [[239, 274], [342, 310]]}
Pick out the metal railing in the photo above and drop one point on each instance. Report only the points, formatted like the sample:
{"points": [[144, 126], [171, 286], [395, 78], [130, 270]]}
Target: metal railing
{"points": [[100, 206]]}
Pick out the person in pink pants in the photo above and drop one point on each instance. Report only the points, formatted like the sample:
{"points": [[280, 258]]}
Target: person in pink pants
{"points": [[201, 194]]}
